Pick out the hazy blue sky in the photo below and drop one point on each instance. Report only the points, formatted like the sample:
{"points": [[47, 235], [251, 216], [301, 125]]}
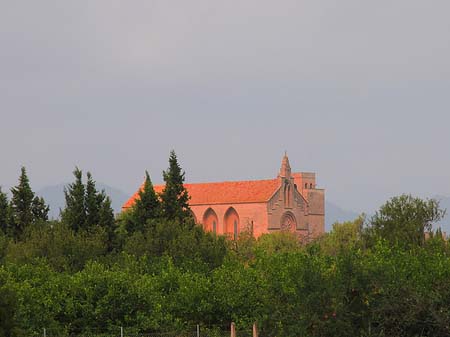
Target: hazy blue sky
{"points": [[357, 91]]}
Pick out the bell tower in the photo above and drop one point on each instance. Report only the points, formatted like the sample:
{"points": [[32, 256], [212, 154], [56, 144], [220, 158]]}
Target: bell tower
{"points": [[285, 170]]}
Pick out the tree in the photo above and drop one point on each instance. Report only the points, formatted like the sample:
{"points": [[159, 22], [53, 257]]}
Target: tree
{"points": [[21, 205], [74, 214], [93, 201], [404, 220], [175, 197], [8, 309], [343, 236], [87, 208], [98, 207], [147, 206], [105, 212], [4, 212], [39, 209], [106, 219]]}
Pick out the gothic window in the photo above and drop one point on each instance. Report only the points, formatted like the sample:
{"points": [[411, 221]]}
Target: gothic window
{"points": [[231, 223], [210, 220], [285, 195], [289, 197], [288, 222]]}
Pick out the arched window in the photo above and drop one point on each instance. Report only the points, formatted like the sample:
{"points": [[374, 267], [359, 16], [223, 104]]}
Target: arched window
{"points": [[310, 186], [285, 194], [231, 223], [210, 220], [289, 197], [288, 222], [306, 185]]}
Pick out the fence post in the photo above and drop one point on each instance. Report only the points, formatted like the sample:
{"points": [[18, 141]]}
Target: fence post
{"points": [[255, 330], [121, 331], [198, 330], [233, 330], [45, 332]]}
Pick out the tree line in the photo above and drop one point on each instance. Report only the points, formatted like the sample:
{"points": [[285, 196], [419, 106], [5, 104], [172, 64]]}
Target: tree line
{"points": [[153, 270]]}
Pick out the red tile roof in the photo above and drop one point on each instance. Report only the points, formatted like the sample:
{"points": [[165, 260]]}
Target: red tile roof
{"points": [[228, 192]]}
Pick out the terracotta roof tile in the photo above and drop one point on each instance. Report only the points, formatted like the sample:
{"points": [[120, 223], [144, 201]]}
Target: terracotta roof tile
{"points": [[228, 192]]}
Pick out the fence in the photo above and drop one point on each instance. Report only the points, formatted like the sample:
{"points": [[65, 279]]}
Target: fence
{"points": [[122, 332]]}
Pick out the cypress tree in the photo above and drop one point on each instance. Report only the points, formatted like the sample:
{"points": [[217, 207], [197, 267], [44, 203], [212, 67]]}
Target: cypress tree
{"points": [[175, 197], [85, 206], [147, 206], [105, 212], [21, 205], [4, 212], [93, 202], [106, 218], [39, 209], [74, 214]]}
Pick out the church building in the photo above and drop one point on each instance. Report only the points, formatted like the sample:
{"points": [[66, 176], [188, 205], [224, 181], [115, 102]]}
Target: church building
{"points": [[290, 202]]}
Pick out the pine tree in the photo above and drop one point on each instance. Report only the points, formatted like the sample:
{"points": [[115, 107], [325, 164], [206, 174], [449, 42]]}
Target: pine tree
{"points": [[21, 205], [74, 214], [93, 202], [87, 208], [147, 206], [105, 213], [39, 209], [4, 212], [106, 219], [175, 197]]}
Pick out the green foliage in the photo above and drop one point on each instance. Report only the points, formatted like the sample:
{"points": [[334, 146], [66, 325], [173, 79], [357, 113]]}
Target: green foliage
{"points": [[92, 202], [39, 209], [343, 236], [25, 208], [21, 205], [174, 197], [87, 208], [74, 213], [147, 207], [278, 242], [404, 220], [4, 212], [60, 246], [187, 245], [8, 309], [4, 241], [160, 272]]}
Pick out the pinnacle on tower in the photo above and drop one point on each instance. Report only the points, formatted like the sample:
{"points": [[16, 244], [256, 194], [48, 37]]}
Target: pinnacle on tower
{"points": [[285, 170]]}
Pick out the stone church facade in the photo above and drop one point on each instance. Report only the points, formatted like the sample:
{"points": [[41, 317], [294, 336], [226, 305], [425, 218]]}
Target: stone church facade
{"points": [[290, 202]]}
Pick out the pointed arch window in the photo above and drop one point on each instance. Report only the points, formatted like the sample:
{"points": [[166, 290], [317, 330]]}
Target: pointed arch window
{"points": [[231, 223], [210, 220]]}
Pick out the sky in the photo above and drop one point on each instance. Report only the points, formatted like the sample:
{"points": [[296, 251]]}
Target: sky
{"points": [[356, 91]]}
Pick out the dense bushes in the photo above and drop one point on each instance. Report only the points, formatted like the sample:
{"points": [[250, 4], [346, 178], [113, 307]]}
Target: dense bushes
{"points": [[384, 291]]}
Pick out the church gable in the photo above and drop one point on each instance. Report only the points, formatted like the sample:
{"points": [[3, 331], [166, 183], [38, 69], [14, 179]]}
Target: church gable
{"points": [[287, 203]]}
